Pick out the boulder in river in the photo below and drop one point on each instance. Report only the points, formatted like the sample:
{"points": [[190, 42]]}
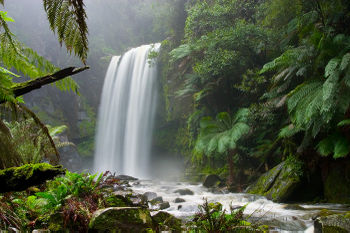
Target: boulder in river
{"points": [[277, 184], [335, 223], [121, 219], [157, 200], [164, 205], [163, 220], [149, 195], [125, 177], [179, 200], [212, 181], [184, 191]]}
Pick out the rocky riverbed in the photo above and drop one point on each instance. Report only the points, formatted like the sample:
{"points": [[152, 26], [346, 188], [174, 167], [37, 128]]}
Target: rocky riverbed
{"points": [[182, 199]]}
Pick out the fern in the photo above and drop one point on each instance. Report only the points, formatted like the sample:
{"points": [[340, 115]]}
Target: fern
{"points": [[182, 51], [15, 55], [222, 134], [335, 144], [289, 131], [68, 19], [344, 123]]}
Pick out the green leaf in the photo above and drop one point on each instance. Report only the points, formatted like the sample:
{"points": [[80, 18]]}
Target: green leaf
{"points": [[344, 122], [5, 71], [3, 14], [325, 147], [342, 148], [345, 61]]}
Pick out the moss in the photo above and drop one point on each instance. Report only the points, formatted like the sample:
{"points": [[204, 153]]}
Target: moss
{"points": [[279, 183], [165, 221], [337, 186], [125, 219], [21, 178], [333, 229], [265, 182], [325, 212], [119, 201]]}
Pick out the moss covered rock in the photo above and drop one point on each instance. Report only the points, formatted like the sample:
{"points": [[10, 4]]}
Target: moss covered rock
{"points": [[165, 221], [265, 182], [279, 183], [21, 178], [335, 223], [337, 184], [121, 219]]}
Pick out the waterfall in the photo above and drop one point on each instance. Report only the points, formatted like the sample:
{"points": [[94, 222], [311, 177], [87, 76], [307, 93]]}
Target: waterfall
{"points": [[126, 114]]}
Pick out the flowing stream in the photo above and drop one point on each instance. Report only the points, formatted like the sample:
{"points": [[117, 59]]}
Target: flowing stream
{"points": [[126, 114], [282, 217]]}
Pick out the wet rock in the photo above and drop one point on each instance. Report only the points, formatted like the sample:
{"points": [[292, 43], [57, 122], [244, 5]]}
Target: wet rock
{"points": [[149, 195], [164, 205], [125, 177], [212, 181], [122, 219], [179, 200], [265, 182], [278, 184], [119, 200], [236, 207], [336, 223], [293, 207], [179, 207], [165, 221], [184, 191], [138, 200], [157, 200]]}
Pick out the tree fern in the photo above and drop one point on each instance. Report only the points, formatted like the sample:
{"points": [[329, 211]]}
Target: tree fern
{"points": [[222, 134], [335, 144], [68, 19]]}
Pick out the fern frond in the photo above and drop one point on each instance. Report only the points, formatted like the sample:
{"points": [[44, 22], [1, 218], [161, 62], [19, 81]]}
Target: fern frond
{"points": [[335, 144], [300, 92], [345, 62], [64, 144], [289, 131], [341, 148], [67, 18], [344, 123], [180, 52]]}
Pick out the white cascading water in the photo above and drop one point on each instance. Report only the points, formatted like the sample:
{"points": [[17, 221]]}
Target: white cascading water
{"points": [[126, 114]]}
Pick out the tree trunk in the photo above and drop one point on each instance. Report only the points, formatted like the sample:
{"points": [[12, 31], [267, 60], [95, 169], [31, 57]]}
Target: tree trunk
{"points": [[25, 87], [231, 168]]}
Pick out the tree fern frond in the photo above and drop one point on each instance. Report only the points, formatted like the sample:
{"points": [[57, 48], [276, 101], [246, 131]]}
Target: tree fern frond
{"points": [[180, 52], [345, 62], [68, 19], [64, 144], [53, 131], [344, 122], [301, 92], [289, 131], [241, 115], [341, 148]]}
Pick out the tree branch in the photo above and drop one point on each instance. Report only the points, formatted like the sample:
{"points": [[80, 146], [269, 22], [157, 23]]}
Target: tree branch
{"points": [[25, 87]]}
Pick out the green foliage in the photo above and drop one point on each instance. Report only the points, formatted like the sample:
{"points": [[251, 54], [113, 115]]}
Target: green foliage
{"points": [[65, 203], [211, 217], [68, 19], [335, 144], [15, 55], [222, 134]]}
